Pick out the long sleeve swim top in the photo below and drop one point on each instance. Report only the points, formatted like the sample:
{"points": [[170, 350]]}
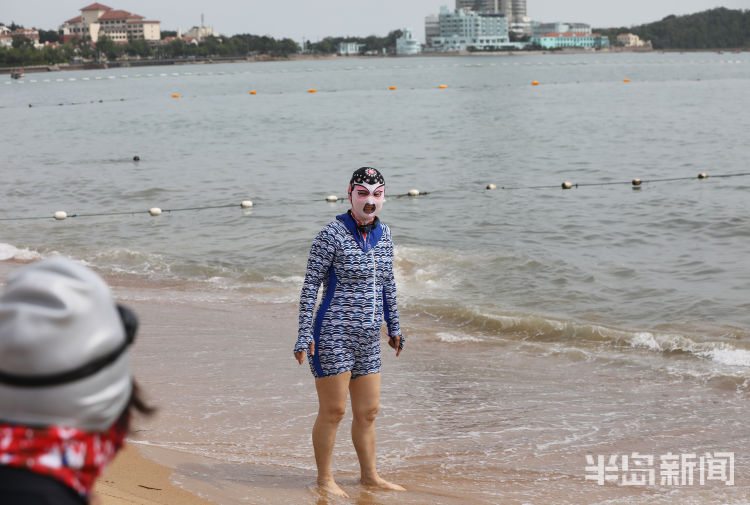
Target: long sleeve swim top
{"points": [[359, 289]]}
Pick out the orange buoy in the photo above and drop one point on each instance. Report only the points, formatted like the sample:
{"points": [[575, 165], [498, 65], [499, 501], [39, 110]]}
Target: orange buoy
{"points": [[253, 92], [175, 95], [443, 86], [392, 88], [626, 80], [312, 90], [535, 83]]}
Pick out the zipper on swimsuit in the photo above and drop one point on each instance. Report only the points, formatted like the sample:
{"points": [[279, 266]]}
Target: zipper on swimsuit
{"points": [[374, 287]]}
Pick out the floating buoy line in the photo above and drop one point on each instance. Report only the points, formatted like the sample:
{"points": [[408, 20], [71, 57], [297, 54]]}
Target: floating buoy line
{"points": [[61, 215], [412, 193], [636, 183]]}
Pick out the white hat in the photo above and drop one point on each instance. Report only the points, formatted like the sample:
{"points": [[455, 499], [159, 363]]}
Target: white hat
{"points": [[63, 349]]}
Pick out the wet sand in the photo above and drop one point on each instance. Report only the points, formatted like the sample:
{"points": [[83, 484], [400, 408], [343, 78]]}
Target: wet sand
{"points": [[133, 479], [461, 422]]}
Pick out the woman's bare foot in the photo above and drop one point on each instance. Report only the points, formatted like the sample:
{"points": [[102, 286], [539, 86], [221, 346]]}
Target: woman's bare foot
{"points": [[330, 487], [380, 483]]}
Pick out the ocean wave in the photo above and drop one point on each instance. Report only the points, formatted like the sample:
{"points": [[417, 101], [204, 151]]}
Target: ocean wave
{"points": [[482, 325], [456, 337], [420, 271], [131, 262], [9, 252], [720, 352]]}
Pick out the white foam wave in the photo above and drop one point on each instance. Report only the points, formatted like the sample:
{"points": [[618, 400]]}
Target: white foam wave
{"points": [[292, 279], [8, 252], [456, 337], [127, 261], [582, 334], [729, 356], [645, 340], [423, 271], [720, 352]]}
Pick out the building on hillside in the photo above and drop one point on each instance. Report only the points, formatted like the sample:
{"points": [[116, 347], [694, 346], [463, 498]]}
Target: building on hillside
{"points": [[461, 30], [119, 25], [6, 39], [350, 48], [406, 44], [6, 36], [201, 32], [556, 40], [630, 40]]}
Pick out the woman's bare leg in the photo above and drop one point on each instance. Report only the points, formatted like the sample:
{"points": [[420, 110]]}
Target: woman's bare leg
{"points": [[365, 395], [331, 409]]}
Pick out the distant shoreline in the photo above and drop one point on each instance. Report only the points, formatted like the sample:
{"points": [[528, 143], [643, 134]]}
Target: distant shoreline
{"points": [[308, 57]]}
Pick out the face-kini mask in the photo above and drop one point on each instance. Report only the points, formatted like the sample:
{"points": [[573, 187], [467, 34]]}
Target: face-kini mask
{"points": [[367, 200]]}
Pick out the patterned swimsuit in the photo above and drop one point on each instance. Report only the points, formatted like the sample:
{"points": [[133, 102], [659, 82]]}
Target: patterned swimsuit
{"points": [[359, 291]]}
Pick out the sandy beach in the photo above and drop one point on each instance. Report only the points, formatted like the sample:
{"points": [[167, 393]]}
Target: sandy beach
{"points": [[235, 413], [134, 479]]}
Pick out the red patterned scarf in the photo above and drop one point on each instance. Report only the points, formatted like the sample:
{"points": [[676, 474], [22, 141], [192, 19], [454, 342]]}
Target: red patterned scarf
{"points": [[72, 456]]}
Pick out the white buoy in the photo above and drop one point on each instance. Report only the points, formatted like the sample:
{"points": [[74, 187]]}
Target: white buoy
{"points": [[246, 204], [491, 186], [413, 192], [332, 198], [154, 211], [567, 185], [60, 215]]}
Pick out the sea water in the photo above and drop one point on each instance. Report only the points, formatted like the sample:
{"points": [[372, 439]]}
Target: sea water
{"points": [[631, 289]]}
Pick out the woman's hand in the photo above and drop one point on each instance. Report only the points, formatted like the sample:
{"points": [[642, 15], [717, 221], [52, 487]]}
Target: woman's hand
{"points": [[395, 342], [300, 355]]}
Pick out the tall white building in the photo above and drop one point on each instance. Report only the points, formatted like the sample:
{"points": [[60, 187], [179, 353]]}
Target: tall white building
{"points": [[406, 44], [518, 10], [520, 23], [485, 6], [431, 28], [514, 10], [460, 30]]}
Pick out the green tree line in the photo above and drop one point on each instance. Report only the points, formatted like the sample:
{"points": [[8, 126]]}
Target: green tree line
{"points": [[23, 52], [330, 45], [718, 28]]}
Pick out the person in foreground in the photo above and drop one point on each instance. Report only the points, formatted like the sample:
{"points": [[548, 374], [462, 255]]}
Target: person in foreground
{"points": [[352, 257], [66, 390]]}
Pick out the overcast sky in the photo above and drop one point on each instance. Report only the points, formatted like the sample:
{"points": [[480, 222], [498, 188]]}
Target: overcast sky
{"points": [[317, 19]]}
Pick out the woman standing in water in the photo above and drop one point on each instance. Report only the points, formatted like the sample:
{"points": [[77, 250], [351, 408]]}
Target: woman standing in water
{"points": [[352, 257]]}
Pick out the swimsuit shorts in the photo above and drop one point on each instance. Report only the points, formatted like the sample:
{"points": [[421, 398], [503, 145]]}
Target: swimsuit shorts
{"points": [[358, 355]]}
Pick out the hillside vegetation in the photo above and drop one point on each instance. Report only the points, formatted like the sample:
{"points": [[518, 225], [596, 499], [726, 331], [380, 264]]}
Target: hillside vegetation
{"points": [[718, 28]]}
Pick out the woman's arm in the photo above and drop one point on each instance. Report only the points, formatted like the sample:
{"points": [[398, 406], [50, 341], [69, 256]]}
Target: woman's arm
{"points": [[390, 305], [319, 262]]}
